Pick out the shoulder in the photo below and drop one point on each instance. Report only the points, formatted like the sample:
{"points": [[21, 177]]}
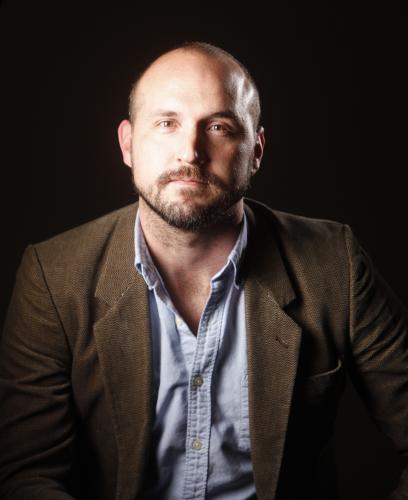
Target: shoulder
{"points": [[89, 239], [293, 228], [313, 249], [75, 258]]}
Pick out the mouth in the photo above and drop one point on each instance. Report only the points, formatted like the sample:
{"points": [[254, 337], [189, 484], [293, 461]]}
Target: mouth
{"points": [[189, 181]]}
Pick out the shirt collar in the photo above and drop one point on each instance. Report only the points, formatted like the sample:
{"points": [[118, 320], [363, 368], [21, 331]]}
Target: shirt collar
{"points": [[143, 261], [146, 267]]}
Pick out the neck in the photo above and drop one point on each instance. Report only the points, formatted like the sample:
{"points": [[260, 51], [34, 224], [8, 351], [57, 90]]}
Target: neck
{"points": [[202, 252]]}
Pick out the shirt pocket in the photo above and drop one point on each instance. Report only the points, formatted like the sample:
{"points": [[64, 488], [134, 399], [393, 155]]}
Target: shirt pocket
{"points": [[244, 443]]}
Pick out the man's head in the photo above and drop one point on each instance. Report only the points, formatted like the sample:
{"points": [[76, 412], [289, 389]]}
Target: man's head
{"points": [[193, 140]]}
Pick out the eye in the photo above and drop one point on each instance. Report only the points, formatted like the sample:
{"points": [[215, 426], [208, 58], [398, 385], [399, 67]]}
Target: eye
{"points": [[165, 124], [219, 128]]}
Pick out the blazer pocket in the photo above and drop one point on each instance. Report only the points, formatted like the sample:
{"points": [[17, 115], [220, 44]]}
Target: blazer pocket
{"points": [[314, 408], [324, 385]]}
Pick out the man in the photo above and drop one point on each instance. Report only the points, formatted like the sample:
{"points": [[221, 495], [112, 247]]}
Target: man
{"points": [[194, 345]]}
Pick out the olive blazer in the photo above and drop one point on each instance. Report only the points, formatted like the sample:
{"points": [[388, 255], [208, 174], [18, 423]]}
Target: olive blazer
{"points": [[76, 369]]}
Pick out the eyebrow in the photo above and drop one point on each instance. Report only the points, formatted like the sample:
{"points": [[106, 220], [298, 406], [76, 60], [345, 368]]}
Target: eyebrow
{"points": [[164, 112], [218, 114], [226, 114]]}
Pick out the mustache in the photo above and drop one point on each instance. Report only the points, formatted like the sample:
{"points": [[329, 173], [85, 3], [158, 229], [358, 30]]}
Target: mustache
{"points": [[191, 173]]}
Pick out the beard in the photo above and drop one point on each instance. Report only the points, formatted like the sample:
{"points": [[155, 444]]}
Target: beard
{"points": [[196, 210]]}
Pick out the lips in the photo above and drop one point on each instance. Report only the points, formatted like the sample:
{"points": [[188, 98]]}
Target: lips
{"points": [[189, 177], [189, 180]]}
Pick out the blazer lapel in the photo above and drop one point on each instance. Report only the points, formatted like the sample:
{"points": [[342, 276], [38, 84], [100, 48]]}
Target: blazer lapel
{"points": [[273, 343], [122, 334]]}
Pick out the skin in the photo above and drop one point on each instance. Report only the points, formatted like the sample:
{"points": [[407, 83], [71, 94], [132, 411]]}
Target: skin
{"points": [[192, 148]]}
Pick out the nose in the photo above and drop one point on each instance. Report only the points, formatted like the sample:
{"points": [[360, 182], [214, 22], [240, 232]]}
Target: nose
{"points": [[192, 147]]}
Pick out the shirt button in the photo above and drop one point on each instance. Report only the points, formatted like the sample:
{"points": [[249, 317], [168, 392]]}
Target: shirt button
{"points": [[196, 444], [198, 380]]}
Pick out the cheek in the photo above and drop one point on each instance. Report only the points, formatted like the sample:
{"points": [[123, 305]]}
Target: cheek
{"points": [[224, 155], [232, 161], [244, 159], [148, 160]]}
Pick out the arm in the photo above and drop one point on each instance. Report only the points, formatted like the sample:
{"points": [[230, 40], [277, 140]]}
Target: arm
{"points": [[379, 352], [36, 421]]}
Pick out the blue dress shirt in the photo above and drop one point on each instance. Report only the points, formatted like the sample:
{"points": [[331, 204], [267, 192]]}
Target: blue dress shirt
{"points": [[200, 437]]}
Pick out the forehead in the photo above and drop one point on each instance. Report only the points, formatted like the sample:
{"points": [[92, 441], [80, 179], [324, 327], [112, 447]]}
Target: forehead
{"points": [[193, 79]]}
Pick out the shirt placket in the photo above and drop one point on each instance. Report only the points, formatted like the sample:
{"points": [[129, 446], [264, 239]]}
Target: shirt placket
{"points": [[199, 396]]}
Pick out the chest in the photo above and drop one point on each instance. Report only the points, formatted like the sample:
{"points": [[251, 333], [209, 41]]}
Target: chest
{"points": [[190, 302]]}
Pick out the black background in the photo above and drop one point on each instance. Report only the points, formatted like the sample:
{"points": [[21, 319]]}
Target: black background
{"points": [[333, 86]]}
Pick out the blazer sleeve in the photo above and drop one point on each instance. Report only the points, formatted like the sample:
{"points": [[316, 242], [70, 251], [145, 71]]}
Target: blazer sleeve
{"points": [[379, 352], [36, 420]]}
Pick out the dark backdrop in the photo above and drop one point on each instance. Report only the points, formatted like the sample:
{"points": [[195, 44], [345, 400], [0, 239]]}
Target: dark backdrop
{"points": [[333, 89]]}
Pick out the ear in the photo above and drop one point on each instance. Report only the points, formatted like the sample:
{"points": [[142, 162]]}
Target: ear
{"points": [[125, 141], [258, 150]]}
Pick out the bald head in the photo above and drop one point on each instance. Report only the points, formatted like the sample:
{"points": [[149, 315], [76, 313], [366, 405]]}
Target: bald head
{"points": [[231, 74]]}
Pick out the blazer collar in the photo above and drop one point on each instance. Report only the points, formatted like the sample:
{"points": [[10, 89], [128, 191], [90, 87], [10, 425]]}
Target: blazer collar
{"points": [[264, 261], [118, 272]]}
